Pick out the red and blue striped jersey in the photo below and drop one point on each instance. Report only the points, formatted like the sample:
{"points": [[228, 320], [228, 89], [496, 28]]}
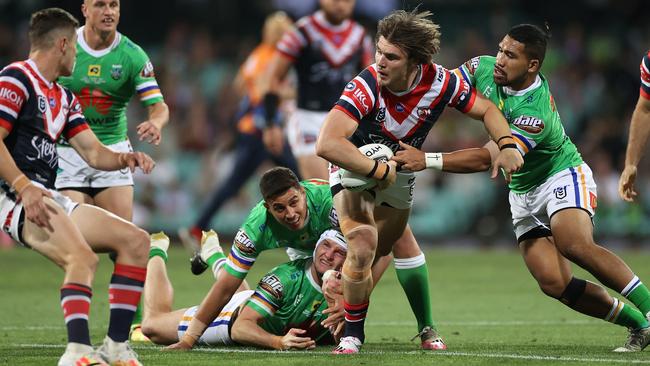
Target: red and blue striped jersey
{"points": [[36, 112], [325, 57], [645, 76], [386, 117]]}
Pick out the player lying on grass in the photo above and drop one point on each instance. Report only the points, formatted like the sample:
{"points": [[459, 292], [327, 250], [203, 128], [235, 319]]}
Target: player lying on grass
{"points": [[285, 311], [553, 197]]}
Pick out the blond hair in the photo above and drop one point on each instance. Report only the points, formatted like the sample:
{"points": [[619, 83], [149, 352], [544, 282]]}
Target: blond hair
{"points": [[413, 33]]}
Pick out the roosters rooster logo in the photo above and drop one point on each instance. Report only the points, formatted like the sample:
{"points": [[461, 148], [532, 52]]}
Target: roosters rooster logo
{"points": [[96, 99]]}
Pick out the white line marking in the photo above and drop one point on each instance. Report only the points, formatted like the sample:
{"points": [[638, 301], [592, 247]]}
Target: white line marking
{"points": [[415, 353]]}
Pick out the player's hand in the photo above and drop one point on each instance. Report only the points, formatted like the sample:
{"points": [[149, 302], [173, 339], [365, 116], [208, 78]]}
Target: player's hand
{"points": [[273, 140], [179, 346], [626, 183], [333, 292], [410, 158], [36, 210], [138, 159], [390, 178], [293, 340], [509, 160], [149, 132]]}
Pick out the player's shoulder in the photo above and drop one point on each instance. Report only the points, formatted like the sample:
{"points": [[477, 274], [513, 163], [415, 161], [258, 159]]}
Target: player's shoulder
{"points": [[17, 70], [132, 49]]}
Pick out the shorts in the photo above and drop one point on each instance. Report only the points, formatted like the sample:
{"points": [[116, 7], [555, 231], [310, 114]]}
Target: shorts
{"points": [[303, 128], [218, 332], [569, 188], [74, 172], [12, 216], [399, 195]]}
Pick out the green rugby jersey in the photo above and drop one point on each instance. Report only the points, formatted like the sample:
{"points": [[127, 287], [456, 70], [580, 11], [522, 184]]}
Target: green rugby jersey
{"points": [[104, 81], [261, 231], [534, 120], [289, 297]]}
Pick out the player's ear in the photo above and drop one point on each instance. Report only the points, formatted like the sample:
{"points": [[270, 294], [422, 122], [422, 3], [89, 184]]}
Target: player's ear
{"points": [[533, 65]]}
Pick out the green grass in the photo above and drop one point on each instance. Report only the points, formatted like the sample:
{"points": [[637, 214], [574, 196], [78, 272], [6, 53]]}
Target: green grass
{"points": [[487, 307]]}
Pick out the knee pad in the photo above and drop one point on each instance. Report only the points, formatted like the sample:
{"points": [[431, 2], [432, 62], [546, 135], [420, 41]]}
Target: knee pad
{"points": [[573, 291]]}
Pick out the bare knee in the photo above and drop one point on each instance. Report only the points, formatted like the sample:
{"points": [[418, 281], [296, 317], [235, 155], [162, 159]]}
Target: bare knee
{"points": [[81, 263], [576, 250], [552, 286], [364, 247], [150, 330], [136, 246]]}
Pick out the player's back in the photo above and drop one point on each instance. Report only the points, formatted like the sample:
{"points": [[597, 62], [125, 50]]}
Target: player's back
{"points": [[325, 56]]}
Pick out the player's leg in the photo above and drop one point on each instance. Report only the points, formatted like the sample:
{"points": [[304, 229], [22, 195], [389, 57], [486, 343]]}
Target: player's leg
{"points": [[355, 212], [105, 231], [160, 323], [303, 128], [116, 199], [78, 195], [413, 274], [66, 247]]}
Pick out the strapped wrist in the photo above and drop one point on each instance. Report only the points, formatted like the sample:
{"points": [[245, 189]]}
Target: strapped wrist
{"points": [[20, 183], [508, 146], [373, 170], [381, 172], [194, 330], [433, 160]]}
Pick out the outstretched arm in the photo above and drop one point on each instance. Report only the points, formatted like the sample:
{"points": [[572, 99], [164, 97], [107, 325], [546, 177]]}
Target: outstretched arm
{"points": [[459, 161], [639, 132], [150, 130], [247, 331]]}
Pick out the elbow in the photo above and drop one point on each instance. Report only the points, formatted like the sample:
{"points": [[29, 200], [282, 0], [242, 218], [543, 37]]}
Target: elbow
{"points": [[323, 148], [236, 333]]}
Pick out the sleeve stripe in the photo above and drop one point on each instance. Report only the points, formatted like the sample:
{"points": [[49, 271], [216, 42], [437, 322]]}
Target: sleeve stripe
{"points": [[470, 104], [76, 130], [12, 113], [350, 106], [645, 94], [147, 84], [147, 88], [344, 110], [369, 92], [15, 82], [522, 142], [6, 124], [148, 96], [464, 75]]}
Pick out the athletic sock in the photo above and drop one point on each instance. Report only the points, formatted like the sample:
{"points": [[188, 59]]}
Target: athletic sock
{"points": [[159, 245], [638, 294], [216, 261], [124, 295], [75, 301], [355, 317], [625, 315], [413, 275], [154, 251], [211, 251]]}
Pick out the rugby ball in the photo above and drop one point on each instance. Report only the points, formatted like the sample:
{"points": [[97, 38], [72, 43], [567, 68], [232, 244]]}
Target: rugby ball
{"points": [[357, 182]]}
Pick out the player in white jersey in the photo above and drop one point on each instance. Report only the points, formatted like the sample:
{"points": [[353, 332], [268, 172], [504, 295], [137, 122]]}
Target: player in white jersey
{"points": [[397, 99], [639, 132]]}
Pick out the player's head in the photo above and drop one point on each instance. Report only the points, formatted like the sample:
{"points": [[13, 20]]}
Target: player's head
{"points": [[330, 251], [53, 30], [520, 56], [404, 41], [284, 197], [274, 27], [101, 16], [336, 11]]}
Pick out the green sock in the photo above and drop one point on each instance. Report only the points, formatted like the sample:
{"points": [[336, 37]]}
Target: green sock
{"points": [[639, 296], [215, 257], [413, 275], [628, 316], [154, 251]]}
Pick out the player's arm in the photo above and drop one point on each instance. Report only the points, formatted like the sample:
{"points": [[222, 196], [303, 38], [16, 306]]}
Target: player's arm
{"points": [[460, 161], [272, 135], [509, 158], [247, 331], [639, 132], [333, 145], [100, 157], [218, 296], [158, 117], [31, 196]]}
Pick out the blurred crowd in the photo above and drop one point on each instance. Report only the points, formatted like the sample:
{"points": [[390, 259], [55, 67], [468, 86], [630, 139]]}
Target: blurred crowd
{"points": [[197, 46]]}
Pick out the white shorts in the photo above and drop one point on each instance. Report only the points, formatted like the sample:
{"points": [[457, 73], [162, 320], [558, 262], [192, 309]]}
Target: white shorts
{"points": [[11, 213], [303, 128], [217, 333], [399, 195], [74, 172], [569, 188]]}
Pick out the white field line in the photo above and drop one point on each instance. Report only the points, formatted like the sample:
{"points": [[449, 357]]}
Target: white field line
{"points": [[414, 353], [478, 323]]}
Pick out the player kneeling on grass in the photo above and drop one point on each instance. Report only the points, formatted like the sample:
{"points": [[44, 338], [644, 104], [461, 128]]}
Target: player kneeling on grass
{"points": [[34, 112], [285, 311]]}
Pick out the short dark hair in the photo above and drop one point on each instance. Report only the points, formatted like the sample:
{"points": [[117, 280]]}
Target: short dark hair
{"points": [[277, 181], [534, 39], [43, 22]]}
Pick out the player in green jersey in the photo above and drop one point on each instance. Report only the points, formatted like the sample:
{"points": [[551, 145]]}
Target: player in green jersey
{"points": [[109, 70], [553, 196], [285, 311]]}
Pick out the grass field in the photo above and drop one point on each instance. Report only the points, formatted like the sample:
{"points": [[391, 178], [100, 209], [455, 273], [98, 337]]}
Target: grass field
{"points": [[487, 307]]}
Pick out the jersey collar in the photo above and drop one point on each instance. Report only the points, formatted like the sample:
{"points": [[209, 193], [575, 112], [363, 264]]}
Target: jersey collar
{"points": [[517, 93], [96, 53], [310, 277], [412, 87], [33, 66], [319, 17]]}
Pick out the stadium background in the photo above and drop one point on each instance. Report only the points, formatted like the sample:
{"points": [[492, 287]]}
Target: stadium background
{"points": [[197, 46]]}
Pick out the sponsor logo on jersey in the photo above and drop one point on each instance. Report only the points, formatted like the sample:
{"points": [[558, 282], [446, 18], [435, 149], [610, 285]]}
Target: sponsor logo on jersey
{"points": [[45, 151], [350, 86], [381, 115], [529, 124], [243, 243], [560, 192], [271, 284], [334, 218], [11, 96], [487, 91], [96, 99], [361, 97], [147, 70], [593, 202], [424, 112], [399, 107], [42, 104], [472, 64], [94, 70], [116, 72]]}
